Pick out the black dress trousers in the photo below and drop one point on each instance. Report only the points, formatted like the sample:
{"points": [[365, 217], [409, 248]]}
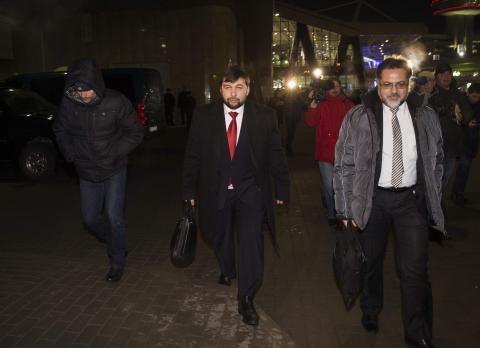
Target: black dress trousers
{"points": [[242, 216], [405, 211]]}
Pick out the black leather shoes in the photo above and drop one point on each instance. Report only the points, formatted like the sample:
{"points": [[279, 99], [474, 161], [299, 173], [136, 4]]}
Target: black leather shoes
{"points": [[370, 322], [421, 343], [224, 280], [114, 275], [247, 310]]}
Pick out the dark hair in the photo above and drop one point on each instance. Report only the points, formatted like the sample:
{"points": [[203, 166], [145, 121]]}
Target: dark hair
{"points": [[333, 79], [234, 73], [474, 88], [394, 63], [442, 67]]}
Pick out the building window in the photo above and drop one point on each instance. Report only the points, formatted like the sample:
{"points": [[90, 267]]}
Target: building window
{"points": [[283, 36], [325, 45]]}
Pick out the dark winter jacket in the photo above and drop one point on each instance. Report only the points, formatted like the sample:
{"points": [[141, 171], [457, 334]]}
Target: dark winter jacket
{"points": [[472, 136], [454, 113], [358, 152], [95, 136], [327, 117]]}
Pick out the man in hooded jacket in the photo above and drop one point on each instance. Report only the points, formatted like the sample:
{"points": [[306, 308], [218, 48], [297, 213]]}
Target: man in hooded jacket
{"points": [[96, 128]]}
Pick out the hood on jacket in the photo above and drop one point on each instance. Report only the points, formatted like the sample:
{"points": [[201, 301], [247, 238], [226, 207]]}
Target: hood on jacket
{"points": [[84, 74]]}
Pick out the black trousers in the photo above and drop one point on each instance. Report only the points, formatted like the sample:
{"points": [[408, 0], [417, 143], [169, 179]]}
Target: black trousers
{"points": [[406, 212], [243, 216]]}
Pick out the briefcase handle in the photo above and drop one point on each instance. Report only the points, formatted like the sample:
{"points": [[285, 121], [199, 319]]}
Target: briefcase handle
{"points": [[188, 209]]}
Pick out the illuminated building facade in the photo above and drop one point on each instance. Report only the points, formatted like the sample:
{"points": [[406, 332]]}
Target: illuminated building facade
{"points": [[463, 43]]}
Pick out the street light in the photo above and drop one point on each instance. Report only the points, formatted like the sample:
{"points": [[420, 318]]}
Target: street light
{"points": [[317, 73], [292, 84]]}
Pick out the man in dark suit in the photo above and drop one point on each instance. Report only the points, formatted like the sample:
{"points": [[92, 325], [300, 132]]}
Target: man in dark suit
{"points": [[232, 153]]}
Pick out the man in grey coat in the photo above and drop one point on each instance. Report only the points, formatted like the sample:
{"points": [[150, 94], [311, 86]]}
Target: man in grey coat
{"points": [[388, 173]]}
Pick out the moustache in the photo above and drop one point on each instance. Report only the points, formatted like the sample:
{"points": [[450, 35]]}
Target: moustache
{"points": [[396, 95]]}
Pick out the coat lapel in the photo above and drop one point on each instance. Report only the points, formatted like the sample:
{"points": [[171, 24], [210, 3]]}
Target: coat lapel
{"points": [[220, 134], [250, 126]]}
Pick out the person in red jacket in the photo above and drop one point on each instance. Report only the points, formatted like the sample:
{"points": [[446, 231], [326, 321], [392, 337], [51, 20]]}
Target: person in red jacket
{"points": [[327, 116]]}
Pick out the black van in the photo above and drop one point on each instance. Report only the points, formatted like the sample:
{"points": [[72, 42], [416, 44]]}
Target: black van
{"points": [[141, 85]]}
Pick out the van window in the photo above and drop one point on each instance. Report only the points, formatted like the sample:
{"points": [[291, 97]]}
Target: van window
{"points": [[22, 102], [122, 83], [50, 88]]}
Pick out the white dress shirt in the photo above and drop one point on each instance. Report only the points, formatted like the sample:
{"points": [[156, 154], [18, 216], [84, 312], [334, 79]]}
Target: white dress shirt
{"points": [[409, 147], [239, 118]]}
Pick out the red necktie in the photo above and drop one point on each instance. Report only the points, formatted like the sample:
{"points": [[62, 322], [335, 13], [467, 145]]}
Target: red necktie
{"points": [[232, 133]]}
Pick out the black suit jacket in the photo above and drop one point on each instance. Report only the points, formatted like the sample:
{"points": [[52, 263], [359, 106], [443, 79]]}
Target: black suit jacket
{"points": [[208, 137]]}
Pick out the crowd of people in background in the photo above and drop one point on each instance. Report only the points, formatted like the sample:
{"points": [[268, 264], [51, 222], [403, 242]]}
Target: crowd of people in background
{"points": [[458, 112], [186, 104]]}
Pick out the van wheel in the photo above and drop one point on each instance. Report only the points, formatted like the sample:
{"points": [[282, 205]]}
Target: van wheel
{"points": [[37, 161]]}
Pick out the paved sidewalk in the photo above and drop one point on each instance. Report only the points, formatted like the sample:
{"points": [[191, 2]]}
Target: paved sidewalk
{"points": [[52, 287]]}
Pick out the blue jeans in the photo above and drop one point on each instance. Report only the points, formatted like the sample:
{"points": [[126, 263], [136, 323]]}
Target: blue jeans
{"points": [[463, 171], [448, 170], [102, 205], [326, 171]]}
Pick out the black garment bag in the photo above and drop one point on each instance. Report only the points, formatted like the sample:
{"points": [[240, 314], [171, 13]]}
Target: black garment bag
{"points": [[349, 264], [184, 239]]}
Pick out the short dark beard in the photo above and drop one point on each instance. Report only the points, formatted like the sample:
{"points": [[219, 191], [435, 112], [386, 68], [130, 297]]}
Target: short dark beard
{"points": [[231, 106]]}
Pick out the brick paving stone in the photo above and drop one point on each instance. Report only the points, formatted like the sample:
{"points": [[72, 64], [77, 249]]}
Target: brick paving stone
{"points": [[24, 326], [65, 339], [111, 327], [6, 329], [31, 337], [88, 334], [72, 313], [100, 342], [121, 338], [113, 302], [56, 330], [93, 307], [9, 341], [42, 343], [85, 299], [79, 323], [133, 320], [18, 317], [101, 316]]}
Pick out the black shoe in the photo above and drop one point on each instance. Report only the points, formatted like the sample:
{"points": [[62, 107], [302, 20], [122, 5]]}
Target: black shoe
{"points": [[224, 280], [421, 343], [370, 322], [247, 310], [114, 274]]}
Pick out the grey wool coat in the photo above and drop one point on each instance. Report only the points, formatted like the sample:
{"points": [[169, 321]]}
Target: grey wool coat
{"points": [[358, 151]]}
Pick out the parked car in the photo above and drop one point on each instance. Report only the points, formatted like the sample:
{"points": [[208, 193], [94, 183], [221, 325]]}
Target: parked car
{"points": [[26, 135], [142, 86]]}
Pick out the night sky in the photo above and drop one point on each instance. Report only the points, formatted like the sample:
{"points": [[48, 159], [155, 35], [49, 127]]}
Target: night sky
{"points": [[402, 11]]}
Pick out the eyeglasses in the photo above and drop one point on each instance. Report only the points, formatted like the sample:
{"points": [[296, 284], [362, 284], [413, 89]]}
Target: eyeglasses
{"points": [[397, 85]]}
